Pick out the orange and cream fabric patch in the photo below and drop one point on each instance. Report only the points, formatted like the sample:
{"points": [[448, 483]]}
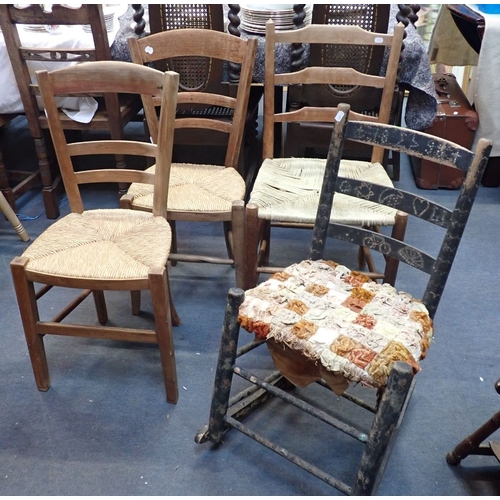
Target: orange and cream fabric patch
{"points": [[353, 326]]}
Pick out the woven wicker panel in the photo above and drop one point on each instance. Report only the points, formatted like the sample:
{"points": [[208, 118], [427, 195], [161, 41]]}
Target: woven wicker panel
{"points": [[354, 56], [194, 71]]}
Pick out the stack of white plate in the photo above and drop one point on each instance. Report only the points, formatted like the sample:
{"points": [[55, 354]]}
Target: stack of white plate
{"points": [[109, 19], [35, 27], [253, 17]]}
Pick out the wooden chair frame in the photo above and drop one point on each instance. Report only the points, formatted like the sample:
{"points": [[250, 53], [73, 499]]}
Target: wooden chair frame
{"points": [[259, 230], [221, 46], [103, 77], [115, 114], [227, 413]]}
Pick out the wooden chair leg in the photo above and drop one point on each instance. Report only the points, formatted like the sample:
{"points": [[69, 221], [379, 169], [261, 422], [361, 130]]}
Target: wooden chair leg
{"points": [[228, 238], [12, 218], [473, 444], [176, 320], [398, 233], [387, 418], [26, 299], [225, 363], [238, 238], [100, 306], [135, 299], [5, 186], [49, 192], [265, 250], [160, 295], [173, 246], [251, 245]]}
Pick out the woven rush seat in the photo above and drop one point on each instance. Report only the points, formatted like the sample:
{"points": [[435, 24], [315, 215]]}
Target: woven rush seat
{"points": [[112, 244], [200, 188], [287, 190], [340, 320]]}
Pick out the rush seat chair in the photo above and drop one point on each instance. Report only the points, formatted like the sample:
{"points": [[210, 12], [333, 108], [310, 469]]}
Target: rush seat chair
{"points": [[104, 250], [324, 323], [286, 190], [202, 192]]}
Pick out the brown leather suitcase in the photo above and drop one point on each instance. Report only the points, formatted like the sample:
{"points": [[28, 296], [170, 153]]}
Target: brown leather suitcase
{"points": [[455, 121]]}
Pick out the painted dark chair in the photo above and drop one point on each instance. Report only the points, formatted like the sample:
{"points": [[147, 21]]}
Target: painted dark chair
{"points": [[323, 323]]}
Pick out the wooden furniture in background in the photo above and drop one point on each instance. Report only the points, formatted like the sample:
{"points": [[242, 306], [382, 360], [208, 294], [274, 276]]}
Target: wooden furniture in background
{"points": [[301, 302], [107, 249], [113, 112], [474, 444]]}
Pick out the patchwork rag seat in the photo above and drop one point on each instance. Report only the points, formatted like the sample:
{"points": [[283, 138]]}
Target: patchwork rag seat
{"points": [[345, 327]]}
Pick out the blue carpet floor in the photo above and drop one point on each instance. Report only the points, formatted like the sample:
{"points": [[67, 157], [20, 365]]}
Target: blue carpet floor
{"points": [[104, 427]]}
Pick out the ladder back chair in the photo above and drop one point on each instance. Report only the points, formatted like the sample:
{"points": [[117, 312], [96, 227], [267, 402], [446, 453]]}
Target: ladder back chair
{"points": [[205, 74], [366, 58], [202, 192], [324, 323], [113, 112], [109, 249], [286, 190]]}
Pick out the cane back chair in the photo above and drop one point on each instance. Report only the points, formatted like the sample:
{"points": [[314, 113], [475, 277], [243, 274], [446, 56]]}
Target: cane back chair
{"points": [[323, 322], [205, 74], [113, 112], [108, 249], [286, 190], [202, 192], [369, 59]]}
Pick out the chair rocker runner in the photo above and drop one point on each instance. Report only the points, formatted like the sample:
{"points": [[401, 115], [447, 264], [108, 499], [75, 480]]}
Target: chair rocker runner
{"points": [[286, 190], [324, 323], [202, 192], [107, 249]]}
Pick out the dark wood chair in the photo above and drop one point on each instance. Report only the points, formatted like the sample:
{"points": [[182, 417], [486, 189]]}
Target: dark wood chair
{"points": [[323, 323], [202, 191], [314, 137], [475, 443], [112, 113], [107, 250], [286, 190]]}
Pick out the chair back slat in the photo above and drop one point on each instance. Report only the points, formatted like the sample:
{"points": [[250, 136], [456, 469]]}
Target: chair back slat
{"points": [[216, 46], [413, 143], [298, 81], [104, 77]]}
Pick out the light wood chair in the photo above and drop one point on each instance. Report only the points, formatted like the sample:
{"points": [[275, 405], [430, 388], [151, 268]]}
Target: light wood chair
{"points": [[12, 218], [202, 192], [113, 112], [286, 190], [369, 59], [107, 249], [324, 323]]}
